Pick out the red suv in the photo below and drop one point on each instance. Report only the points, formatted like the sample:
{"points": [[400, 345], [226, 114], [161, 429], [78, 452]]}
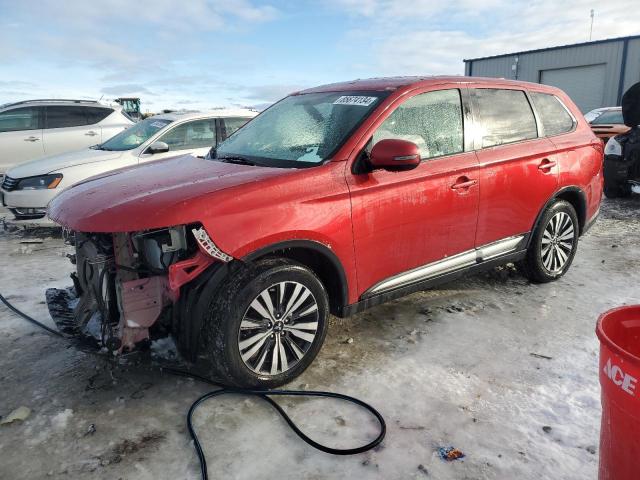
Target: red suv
{"points": [[333, 200]]}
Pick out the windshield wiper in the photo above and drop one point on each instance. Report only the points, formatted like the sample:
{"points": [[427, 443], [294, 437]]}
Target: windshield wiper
{"points": [[237, 159]]}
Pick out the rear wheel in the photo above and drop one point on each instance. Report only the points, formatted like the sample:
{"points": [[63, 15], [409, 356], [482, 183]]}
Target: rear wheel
{"points": [[553, 245], [266, 325]]}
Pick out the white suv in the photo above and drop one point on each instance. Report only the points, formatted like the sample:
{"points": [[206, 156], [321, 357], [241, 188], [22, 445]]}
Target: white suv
{"points": [[39, 128], [28, 188]]}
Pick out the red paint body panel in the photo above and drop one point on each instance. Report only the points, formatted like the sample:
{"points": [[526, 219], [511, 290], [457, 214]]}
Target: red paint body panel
{"points": [[378, 224], [514, 187], [153, 195], [402, 220]]}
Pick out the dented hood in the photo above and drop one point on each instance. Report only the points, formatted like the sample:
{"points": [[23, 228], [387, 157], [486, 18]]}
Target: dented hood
{"points": [[163, 193]]}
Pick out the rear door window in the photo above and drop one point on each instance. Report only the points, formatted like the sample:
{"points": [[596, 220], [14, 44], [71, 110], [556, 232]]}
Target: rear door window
{"points": [[65, 116], [25, 118], [197, 134], [431, 120], [505, 116], [97, 114], [553, 114]]}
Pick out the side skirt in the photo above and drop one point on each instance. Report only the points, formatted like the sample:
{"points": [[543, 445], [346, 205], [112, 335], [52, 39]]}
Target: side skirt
{"points": [[383, 297]]}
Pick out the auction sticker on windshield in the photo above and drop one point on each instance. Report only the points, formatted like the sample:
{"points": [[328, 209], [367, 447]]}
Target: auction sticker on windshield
{"points": [[355, 100], [158, 124]]}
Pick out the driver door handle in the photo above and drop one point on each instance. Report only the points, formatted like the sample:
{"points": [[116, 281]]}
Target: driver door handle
{"points": [[463, 183], [546, 165], [31, 139], [91, 133]]}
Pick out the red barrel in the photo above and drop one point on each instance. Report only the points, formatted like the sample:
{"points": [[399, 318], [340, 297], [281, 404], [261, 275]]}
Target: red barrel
{"points": [[619, 334]]}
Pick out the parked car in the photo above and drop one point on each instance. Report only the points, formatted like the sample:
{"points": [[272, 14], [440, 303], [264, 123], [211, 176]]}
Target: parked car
{"points": [[593, 114], [28, 188], [607, 123], [333, 200], [35, 129]]}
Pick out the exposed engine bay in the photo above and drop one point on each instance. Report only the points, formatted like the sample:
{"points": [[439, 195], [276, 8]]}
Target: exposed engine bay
{"points": [[127, 285]]}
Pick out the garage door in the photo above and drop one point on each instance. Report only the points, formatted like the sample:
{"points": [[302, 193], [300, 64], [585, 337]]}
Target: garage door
{"points": [[585, 85]]}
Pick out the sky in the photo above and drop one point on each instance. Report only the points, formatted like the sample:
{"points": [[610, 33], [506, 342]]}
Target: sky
{"points": [[200, 54]]}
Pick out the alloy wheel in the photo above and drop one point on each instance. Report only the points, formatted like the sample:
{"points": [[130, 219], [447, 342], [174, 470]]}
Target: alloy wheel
{"points": [[558, 242], [278, 328]]}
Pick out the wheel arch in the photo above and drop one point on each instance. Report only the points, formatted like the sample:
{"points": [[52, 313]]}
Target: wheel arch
{"points": [[576, 197], [317, 257]]}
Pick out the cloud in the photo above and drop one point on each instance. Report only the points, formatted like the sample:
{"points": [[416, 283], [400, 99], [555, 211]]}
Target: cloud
{"points": [[117, 34], [269, 93], [126, 89], [166, 14], [433, 37], [15, 84], [251, 52], [384, 10]]}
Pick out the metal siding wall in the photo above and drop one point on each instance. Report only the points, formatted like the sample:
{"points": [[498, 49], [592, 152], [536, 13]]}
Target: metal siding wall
{"points": [[632, 72], [531, 64], [493, 67], [583, 84]]}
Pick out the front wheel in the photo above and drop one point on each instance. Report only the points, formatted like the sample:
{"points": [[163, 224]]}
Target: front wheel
{"points": [[553, 245], [266, 325]]}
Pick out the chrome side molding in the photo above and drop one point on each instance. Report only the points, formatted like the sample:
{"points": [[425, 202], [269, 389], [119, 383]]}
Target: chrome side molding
{"points": [[447, 265], [493, 250]]}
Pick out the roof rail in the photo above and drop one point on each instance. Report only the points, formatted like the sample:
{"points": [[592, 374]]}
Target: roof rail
{"points": [[51, 100]]}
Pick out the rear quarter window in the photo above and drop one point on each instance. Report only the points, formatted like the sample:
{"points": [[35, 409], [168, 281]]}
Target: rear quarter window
{"points": [[554, 116], [505, 116]]}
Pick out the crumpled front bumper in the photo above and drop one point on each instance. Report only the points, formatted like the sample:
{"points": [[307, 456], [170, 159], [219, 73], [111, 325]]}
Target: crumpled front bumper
{"points": [[62, 304]]}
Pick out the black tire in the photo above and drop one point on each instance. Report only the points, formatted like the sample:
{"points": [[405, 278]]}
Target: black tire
{"points": [[545, 254], [221, 348], [622, 190]]}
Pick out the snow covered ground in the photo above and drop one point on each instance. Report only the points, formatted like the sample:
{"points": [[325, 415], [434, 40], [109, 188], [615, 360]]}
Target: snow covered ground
{"points": [[447, 367]]}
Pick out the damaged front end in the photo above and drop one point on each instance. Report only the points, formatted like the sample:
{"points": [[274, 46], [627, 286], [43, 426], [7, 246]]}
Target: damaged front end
{"points": [[127, 286]]}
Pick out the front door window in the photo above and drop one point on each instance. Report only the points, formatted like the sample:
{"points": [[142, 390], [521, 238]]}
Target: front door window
{"points": [[191, 135]]}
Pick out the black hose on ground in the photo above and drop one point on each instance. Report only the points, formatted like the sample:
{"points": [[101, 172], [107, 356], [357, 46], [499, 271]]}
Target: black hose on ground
{"points": [[266, 396], [262, 394], [29, 319]]}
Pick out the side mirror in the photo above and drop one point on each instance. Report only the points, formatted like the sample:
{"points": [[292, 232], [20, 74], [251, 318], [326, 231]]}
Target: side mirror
{"points": [[395, 155], [157, 147]]}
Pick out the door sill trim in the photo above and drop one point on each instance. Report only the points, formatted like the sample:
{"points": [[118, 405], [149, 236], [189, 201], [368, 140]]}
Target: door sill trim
{"points": [[448, 265]]}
